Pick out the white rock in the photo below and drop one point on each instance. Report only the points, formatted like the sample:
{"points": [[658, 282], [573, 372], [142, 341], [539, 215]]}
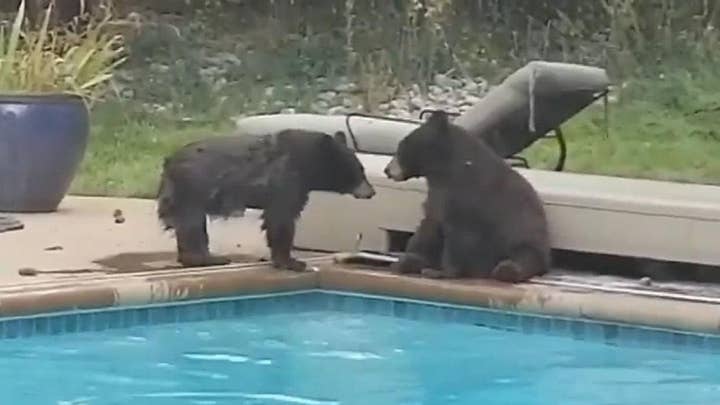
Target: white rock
{"points": [[416, 102], [337, 110], [159, 68], [127, 93], [398, 104], [442, 80], [319, 106], [346, 87], [327, 96], [223, 58], [480, 80], [269, 91], [471, 86], [211, 71], [288, 110], [232, 59], [441, 99], [472, 100], [123, 75]]}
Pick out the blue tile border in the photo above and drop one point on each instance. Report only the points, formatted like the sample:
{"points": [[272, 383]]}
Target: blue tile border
{"points": [[355, 303], [615, 334]]}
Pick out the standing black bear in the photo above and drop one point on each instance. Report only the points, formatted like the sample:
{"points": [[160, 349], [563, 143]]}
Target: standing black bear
{"points": [[222, 176], [482, 218]]}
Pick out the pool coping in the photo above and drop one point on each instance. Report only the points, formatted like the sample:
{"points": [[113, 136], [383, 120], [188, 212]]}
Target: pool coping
{"points": [[177, 285]]}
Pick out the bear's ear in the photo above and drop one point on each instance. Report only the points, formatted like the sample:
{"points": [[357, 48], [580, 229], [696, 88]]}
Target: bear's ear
{"points": [[340, 138], [438, 120]]}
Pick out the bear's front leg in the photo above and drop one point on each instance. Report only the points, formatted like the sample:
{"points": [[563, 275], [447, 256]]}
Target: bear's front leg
{"points": [[280, 236], [458, 253], [286, 200], [448, 267], [192, 242], [423, 249]]}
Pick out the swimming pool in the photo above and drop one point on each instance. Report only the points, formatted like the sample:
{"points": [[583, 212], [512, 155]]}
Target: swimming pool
{"points": [[330, 348]]}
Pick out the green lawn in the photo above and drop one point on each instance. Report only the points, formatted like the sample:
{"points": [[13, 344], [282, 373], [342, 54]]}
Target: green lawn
{"points": [[644, 141], [126, 151], [655, 132]]}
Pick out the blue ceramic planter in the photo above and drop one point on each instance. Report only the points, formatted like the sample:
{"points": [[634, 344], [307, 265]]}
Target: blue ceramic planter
{"points": [[42, 142]]}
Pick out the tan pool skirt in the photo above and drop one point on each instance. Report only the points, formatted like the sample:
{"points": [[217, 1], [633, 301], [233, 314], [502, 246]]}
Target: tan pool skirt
{"points": [[103, 291]]}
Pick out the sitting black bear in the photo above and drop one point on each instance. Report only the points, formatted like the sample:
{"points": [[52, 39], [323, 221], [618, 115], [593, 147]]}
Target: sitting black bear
{"points": [[222, 176], [482, 218]]}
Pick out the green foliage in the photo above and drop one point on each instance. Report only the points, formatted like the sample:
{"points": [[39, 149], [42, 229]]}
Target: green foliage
{"points": [[58, 60], [660, 54]]}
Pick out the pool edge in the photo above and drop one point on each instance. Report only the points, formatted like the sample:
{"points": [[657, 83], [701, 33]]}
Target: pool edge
{"points": [[150, 288], [185, 284], [673, 314]]}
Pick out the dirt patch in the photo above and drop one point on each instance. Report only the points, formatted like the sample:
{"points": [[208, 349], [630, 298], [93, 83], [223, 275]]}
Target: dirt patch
{"points": [[130, 262]]}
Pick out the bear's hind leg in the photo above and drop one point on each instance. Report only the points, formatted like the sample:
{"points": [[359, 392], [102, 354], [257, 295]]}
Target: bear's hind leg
{"points": [[192, 241], [423, 250], [522, 264]]}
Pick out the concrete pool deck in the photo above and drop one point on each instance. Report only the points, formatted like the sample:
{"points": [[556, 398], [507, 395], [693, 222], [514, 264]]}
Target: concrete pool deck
{"points": [[83, 234], [93, 262]]}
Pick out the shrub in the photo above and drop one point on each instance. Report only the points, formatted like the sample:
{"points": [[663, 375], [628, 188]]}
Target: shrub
{"points": [[79, 61]]}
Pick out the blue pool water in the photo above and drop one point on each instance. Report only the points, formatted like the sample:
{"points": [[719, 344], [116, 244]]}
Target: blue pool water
{"points": [[343, 357]]}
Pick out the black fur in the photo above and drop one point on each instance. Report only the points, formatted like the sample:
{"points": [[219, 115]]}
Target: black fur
{"points": [[223, 176], [482, 218]]}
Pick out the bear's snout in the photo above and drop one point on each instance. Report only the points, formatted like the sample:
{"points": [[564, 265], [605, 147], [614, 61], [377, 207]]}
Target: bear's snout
{"points": [[394, 171], [364, 191]]}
